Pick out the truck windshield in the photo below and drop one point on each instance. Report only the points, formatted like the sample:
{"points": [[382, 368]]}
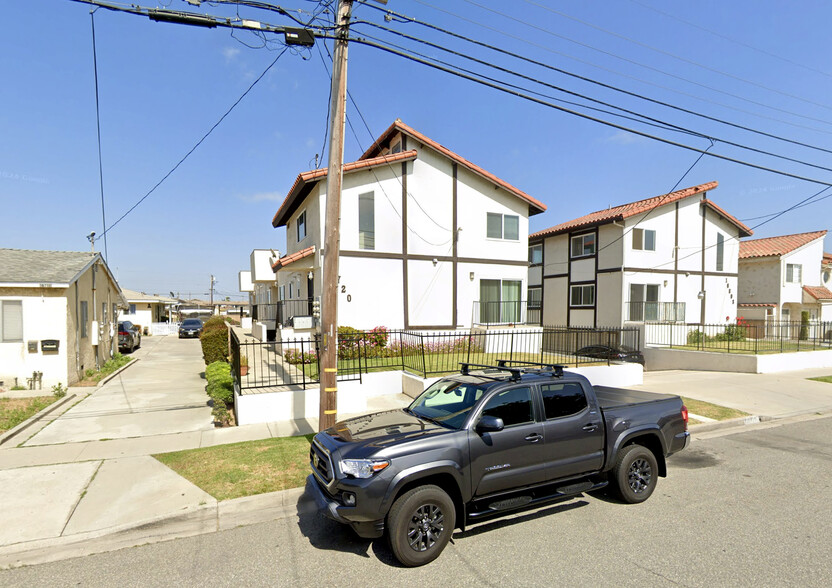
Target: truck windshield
{"points": [[447, 402]]}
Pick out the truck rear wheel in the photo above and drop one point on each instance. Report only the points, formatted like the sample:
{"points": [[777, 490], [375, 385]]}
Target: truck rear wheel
{"points": [[420, 524], [635, 474]]}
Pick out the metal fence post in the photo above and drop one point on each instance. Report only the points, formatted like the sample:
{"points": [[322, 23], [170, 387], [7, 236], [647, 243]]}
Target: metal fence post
{"points": [[424, 361]]}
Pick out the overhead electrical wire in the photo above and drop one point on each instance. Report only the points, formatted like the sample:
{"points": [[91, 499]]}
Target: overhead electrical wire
{"points": [[98, 131], [407, 19], [660, 123]]}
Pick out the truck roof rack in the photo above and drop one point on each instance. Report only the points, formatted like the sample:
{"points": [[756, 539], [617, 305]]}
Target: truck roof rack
{"points": [[465, 368], [556, 370]]}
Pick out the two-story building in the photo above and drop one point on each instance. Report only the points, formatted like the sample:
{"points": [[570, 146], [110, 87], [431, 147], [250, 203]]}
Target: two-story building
{"points": [[780, 277], [667, 258], [429, 240], [58, 315]]}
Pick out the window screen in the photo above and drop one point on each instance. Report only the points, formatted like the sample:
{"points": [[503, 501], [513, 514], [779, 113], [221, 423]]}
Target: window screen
{"points": [[11, 315]]}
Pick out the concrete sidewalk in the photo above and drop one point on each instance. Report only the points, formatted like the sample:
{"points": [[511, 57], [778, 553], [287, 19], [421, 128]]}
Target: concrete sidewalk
{"points": [[85, 496]]}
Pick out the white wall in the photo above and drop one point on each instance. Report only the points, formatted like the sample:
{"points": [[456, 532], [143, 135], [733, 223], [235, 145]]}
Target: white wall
{"points": [[370, 293], [678, 359], [43, 318]]}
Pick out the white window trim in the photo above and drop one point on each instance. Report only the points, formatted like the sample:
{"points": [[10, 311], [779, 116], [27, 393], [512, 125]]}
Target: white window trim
{"points": [[799, 279], [3, 304], [532, 248], [297, 226], [582, 237], [641, 245], [502, 236], [582, 304]]}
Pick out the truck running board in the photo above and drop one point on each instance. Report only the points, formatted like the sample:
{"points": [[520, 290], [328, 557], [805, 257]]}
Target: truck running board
{"points": [[477, 511]]}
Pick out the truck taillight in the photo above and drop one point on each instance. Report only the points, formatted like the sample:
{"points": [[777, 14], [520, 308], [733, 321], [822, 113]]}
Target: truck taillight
{"points": [[685, 416]]}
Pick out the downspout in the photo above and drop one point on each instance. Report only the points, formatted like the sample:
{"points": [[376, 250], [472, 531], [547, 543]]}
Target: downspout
{"points": [[95, 315], [77, 334]]}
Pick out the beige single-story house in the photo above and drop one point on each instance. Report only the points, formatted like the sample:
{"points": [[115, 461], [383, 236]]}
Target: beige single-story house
{"points": [[58, 314]]}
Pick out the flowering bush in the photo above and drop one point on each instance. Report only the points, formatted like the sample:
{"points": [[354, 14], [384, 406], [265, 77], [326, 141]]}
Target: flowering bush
{"points": [[296, 356]]}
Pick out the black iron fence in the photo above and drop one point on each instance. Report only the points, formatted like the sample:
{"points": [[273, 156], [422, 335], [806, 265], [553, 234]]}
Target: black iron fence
{"points": [[257, 365], [510, 312], [656, 311], [744, 336], [282, 312]]}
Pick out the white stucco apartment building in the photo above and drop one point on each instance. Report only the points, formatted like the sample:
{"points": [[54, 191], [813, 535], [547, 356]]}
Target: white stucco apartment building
{"points": [[666, 258], [425, 234], [58, 314], [780, 277], [146, 309]]}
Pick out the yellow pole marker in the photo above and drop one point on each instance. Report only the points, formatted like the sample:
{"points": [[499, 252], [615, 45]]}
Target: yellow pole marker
{"points": [[330, 389], [331, 370], [330, 411]]}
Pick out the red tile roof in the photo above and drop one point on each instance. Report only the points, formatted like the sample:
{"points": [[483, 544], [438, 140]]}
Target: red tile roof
{"points": [[623, 211], [827, 258], [781, 245], [535, 206], [818, 292], [306, 179], [292, 258]]}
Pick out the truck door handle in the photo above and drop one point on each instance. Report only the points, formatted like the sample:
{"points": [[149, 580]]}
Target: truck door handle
{"points": [[590, 427], [534, 437]]}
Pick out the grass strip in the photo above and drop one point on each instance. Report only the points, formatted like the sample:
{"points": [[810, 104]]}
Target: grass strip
{"points": [[827, 379], [246, 468], [711, 411], [14, 411]]}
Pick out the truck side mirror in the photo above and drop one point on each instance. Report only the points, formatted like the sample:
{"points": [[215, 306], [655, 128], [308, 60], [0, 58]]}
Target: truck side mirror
{"points": [[489, 424]]}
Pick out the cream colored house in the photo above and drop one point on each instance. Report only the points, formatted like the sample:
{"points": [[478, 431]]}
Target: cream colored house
{"points": [[669, 258], [58, 315], [146, 309], [429, 240], [780, 277]]}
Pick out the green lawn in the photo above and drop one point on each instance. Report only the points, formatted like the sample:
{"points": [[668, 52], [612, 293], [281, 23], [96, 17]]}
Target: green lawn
{"points": [[748, 347], [711, 411], [827, 379], [14, 411], [243, 469]]}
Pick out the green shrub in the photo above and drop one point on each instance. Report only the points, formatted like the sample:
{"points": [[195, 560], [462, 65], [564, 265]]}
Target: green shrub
{"points": [[296, 356], [804, 326], [58, 390], [696, 337], [221, 414], [214, 340], [220, 385]]}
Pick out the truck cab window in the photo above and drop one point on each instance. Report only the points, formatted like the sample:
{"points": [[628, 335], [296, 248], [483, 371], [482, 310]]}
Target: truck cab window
{"points": [[561, 400], [513, 406]]}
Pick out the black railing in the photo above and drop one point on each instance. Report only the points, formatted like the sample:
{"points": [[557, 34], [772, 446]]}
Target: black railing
{"points": [[296, 363], [744, 336], [664, 312], [508, 312], [282, 312]]}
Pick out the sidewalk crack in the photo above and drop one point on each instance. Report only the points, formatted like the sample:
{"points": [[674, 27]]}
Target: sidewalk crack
{"points": [[81, 497]]}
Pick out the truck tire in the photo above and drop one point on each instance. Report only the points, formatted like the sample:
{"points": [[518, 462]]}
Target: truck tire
{"points": [[635, 474], [420, 524]]}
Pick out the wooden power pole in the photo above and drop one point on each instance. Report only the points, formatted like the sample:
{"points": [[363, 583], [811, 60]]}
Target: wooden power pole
{"points": [[332, 244]]}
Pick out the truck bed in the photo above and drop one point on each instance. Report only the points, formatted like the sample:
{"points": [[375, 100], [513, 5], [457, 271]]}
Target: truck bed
{"points": [[609, 398]]}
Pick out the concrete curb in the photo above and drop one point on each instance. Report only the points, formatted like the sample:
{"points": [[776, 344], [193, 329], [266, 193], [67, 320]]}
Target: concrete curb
{"points": [[726, 424], [132, 361], [35, 418], [199, 520]]}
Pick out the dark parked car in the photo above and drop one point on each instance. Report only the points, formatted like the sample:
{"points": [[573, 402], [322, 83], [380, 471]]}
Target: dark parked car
{"points": [[129, 336], [481, 445], [612, 353], [190, 328]]}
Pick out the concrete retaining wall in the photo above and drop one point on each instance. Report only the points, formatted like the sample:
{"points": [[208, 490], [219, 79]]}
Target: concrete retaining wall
{"points": [[680, 359]]}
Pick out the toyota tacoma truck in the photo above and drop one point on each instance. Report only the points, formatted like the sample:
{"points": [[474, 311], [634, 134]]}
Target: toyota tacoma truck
{"points": [[485, 442]]}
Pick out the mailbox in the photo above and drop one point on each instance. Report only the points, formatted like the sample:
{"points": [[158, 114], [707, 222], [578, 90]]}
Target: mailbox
{"points": [[49, 345], [32, 346]]}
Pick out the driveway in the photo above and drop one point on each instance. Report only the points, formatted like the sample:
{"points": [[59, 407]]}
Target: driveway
{"points": [[163, 393]]}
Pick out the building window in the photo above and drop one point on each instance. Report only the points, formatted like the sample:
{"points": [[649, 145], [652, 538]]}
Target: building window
{"points": [[84, 316], [500, 301], [366, 221], [301, 226], [396, 148], [11, 319], [536, 254], [583, 245], [503, 226], [281, 293], [644, 239], [132, 309], [535, 297], [794, 273], [583, 295], [720, 251], [115, 311], [103, 313], [644, 302]]}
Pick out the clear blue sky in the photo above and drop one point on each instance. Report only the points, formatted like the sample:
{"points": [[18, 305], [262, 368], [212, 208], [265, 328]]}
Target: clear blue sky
{"points": [[162, 86]]}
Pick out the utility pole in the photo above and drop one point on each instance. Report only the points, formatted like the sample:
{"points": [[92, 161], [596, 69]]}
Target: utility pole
{"points": [[212, 293], [332, 244]]}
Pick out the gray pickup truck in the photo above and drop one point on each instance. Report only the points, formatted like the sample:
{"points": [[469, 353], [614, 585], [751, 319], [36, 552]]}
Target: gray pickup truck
{"points": [[485, 442]]}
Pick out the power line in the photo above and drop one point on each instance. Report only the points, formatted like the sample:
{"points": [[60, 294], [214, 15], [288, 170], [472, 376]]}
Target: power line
{"points": [[407, 19], [98, 130], [198, 143], [578, 114], [672, 55], [659, 123], [612, 71]]}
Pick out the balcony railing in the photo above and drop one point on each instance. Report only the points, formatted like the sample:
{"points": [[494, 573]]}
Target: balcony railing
{"points": [[508, 312], [663, 312], [282, 312]]}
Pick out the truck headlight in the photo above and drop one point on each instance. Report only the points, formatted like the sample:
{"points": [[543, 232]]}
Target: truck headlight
{"points": [[362, 468]]}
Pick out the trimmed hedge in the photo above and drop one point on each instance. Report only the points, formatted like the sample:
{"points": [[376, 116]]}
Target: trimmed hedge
{"points": [[214, 339], [221, 390]]}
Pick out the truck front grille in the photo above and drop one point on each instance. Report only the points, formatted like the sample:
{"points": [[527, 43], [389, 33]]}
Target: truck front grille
{"points": [[320, 462]]}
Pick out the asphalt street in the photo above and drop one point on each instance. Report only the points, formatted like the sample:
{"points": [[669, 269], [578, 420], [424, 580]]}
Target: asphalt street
{"points": [[750, 508]]}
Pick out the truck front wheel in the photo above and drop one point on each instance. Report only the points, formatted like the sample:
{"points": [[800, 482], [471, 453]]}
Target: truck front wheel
{"points": [[635, 474], [420, 524]]}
